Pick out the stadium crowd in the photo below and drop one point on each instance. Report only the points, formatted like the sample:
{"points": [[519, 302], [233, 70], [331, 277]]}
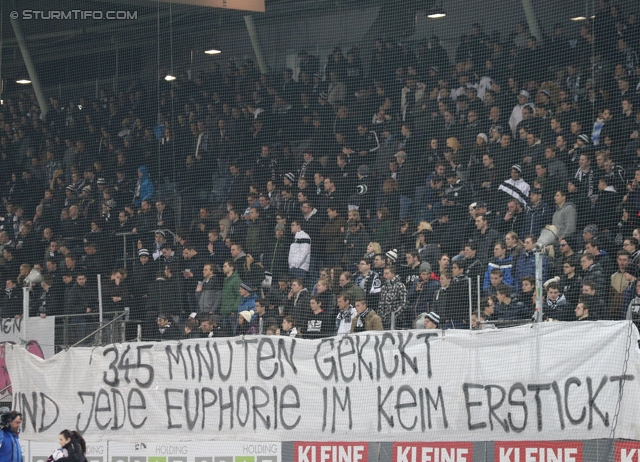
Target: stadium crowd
{"points": [[359, 196]]}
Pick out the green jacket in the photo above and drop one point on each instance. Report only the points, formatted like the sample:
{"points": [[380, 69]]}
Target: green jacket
{"points": [[230, 294]]}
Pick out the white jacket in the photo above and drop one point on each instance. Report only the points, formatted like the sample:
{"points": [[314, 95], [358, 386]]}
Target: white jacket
{"points": [[300, 251]]}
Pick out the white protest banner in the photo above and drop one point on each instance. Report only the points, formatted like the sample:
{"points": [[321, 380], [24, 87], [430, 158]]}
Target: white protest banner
{"points": [[40, 342], [551, 381]]}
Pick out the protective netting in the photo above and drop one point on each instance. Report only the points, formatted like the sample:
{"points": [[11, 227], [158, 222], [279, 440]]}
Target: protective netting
{"points": [[171, 172]]}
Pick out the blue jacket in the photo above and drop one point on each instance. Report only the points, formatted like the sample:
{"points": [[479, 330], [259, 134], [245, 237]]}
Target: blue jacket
{"points": [[526, 266], [504, 265], [247, 303], [146, 186], [10, 451]]}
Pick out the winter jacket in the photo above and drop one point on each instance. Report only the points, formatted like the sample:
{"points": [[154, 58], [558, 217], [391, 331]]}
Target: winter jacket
{"points": [[526, 266], [145, 186], [74, 449], [230, 294], [254, 242], [276, 257], [169, 332], [595, 274], [210, 296], [298, 307], [558, 309], [356, 246], [536, 219], [505, 265], [372, 321], [420, 301], [300, 251], [565, 219], [514, 310], [371, 285], [247, 303], [332, 235], [485, 243], [393, 299]]}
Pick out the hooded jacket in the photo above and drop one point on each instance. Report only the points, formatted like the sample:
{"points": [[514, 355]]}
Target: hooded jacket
{"points": [[144, 187]]}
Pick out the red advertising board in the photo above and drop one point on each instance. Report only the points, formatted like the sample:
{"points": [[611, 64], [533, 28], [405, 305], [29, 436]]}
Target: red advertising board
{"points": [[432, 452], [627, 451], [537, 451], [330, 452]]}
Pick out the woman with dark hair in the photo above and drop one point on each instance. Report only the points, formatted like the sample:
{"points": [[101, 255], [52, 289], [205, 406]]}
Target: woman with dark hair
{"points": [[75, 446]]}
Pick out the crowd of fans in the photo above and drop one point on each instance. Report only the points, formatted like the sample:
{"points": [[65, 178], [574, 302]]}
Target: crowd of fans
{"points": [[359, 196]]}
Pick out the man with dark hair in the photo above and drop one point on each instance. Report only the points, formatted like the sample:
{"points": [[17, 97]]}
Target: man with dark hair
{"points": [[526, 264], [565, 217], [299, 252], [297, 304], [556, 306], [501, 262], [82, 299], [484, 237], [495, 280], [11, 299], [369, 281], [319, 324], [230, 295], [592, 246], [592, 271], [508, 307], [367, 319]]}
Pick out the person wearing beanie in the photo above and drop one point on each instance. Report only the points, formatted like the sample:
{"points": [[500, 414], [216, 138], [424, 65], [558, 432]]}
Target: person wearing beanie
{"points": [[515, 186], [391, 256], [432, 321], [244, 323], [247, 302]]}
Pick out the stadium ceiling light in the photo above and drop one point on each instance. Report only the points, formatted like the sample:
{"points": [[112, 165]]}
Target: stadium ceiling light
{"points": [[578, 18], [23, 81], [213, 51], [170, 78], [436, 13]]}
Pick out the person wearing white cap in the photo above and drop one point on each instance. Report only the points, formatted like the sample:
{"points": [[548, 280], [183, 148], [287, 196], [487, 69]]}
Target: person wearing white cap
{"points": [[516, 113]]}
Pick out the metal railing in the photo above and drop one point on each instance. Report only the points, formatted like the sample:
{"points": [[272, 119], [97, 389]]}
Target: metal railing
{"points": [[116, 334]]}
